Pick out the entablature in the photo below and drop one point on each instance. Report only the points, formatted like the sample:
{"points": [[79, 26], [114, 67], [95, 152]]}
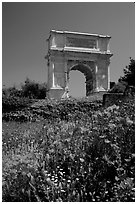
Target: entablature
{"points": [[78, 41]]}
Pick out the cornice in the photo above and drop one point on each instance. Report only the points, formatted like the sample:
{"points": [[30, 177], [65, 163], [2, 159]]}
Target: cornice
{"points": [[79, 33], [80, 50]]}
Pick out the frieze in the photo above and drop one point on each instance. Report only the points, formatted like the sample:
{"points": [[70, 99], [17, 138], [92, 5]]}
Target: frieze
{"points": [[81, 42]]}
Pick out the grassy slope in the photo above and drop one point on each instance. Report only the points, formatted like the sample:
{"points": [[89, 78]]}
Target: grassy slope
{"points": [[86, 144]]}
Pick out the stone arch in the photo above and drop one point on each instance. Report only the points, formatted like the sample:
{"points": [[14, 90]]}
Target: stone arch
{"points": [[87, 53]]}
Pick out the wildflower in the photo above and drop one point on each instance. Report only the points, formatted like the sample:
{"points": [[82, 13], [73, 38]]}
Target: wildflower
{"points": [[81, 159], [130, 122], [49, 181], [62, 191], [102, 136], [107, 141], [111, 125]]}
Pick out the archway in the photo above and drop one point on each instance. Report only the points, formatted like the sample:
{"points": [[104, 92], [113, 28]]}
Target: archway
{"points": [[77, 85], [87, 53], [87, 71]]}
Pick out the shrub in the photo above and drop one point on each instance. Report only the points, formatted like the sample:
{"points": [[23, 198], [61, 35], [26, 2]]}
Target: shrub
{"points": [[129, 73], [14, 99], [34, 90], [11, 92], [126, 84], [120, 87], [12, 103]]}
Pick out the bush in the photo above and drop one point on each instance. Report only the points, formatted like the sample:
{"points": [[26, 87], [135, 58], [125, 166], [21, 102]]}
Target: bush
{"points": [[120, 87], [51, 110], [11, 92], [12, 103], [126, 84], [124, 88], [13, 99], [129, 73], [34, 90]]}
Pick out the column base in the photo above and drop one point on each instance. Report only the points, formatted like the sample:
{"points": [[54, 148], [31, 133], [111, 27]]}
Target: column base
{"points": [[100, 89], [56, 92], [96, 95]]}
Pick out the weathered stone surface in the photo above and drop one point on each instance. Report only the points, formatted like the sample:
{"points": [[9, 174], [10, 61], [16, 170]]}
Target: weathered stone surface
{"points": [[88, 53]]}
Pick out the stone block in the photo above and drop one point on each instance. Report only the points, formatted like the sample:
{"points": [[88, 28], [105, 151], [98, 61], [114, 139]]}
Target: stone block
{"points": [[56, 93]]}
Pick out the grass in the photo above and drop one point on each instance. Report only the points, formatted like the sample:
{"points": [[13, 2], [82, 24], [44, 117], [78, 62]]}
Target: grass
{"points": [[82, 152]]}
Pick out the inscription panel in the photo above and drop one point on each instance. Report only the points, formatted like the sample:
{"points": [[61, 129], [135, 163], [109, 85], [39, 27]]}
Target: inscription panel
{"points": [[81, 42]]}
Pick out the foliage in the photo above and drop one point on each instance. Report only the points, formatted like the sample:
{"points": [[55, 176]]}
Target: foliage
{"points": [[12, 92], [51, 110], [126, 84], [120, 87], [33, 89], [129, 73], [12, 103], [84, 154], [14, 99]]}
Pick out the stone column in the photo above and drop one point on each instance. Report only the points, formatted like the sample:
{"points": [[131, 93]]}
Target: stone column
{"points": [[66, 78], [55, 90], [108, 72], [53, 76], [50, 74], [66, 75], [96, 74], [97, 45]]}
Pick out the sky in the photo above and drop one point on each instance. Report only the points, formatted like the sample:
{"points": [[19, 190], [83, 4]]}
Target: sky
{"points": [[26, 26]]}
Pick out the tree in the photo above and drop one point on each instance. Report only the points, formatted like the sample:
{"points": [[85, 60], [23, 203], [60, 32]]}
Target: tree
{"points": [[126, 84], [34, 90], [129, 73]]}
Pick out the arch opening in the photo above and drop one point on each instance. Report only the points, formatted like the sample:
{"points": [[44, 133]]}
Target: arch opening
{"points": [[77, 85], [86, 72]]}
